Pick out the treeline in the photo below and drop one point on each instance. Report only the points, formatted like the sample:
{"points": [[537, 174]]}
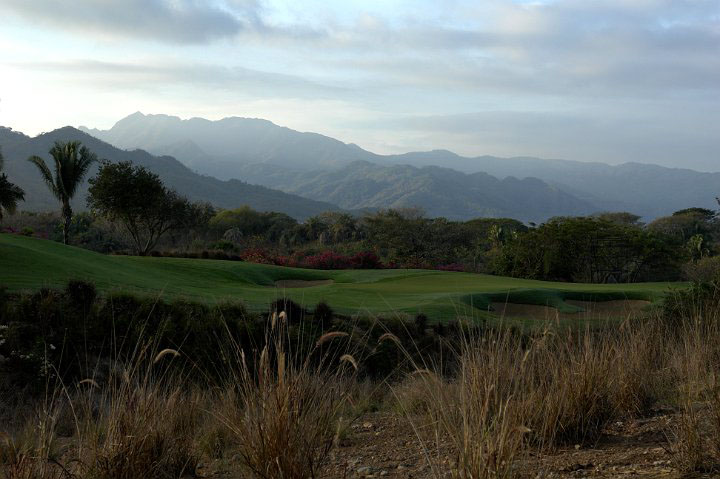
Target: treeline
{"points": [[132, 212]]}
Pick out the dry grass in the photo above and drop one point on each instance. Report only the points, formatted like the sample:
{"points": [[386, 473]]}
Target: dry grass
{"points": [[514, 394], [284, 411], [276, 415], [283, 405], [32, 452]]}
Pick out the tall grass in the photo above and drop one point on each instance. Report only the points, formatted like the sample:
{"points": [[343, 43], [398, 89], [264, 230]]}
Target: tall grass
{"points": [[285, 411], [277, 414], [513, 394], [280, 406]]}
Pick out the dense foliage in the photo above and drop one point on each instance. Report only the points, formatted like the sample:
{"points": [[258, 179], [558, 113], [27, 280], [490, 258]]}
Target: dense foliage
{"points": [[609, 247], [589, 250], [139, 200], [10, 194], [605, 247]]}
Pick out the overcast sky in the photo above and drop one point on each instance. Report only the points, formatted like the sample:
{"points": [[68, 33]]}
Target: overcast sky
{"points": [[590, 80]]}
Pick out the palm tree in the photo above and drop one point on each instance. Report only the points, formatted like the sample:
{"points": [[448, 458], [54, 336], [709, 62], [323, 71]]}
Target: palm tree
{"points": [[10, 194], [72, 162]]}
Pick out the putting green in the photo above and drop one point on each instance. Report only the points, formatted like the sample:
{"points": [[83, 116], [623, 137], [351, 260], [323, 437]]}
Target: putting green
{"points": [[31, 263]]}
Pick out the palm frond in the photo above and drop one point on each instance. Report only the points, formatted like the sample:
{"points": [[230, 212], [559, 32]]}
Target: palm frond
{"points": [[60, 153], [47, 176], [72, 162], [81, 165], [10, 195]]}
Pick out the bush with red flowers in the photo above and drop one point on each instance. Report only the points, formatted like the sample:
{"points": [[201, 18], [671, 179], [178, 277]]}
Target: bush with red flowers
{"points": [[365, 260], [327, 260], [257, 255], [451, 267]]}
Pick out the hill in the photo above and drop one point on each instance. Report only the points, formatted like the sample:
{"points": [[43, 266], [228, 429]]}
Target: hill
{"points": [[439, 191], [645, 189], [17, 148], [31, 263], [230, 147], [218, 147]]}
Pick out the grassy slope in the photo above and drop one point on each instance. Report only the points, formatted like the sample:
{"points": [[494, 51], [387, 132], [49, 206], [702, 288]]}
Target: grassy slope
{"points": [[30, 263]]}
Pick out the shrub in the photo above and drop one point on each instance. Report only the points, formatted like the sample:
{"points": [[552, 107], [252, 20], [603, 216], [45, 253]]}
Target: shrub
{"points": [[704, 270], [327, 260], [81, 293], [457, 267], [323, 313], [701, 301], [365, 260], [293, 311], [223, 245]]}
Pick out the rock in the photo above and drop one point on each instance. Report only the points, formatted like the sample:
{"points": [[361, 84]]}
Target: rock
{"points": [[364, 470]]}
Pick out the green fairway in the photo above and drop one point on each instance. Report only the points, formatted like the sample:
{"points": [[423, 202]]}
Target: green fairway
{"points": [[31, 263]]}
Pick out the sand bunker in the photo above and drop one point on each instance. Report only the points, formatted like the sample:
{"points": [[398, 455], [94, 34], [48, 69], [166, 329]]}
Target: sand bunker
{"points": [[617, 309], [299, 283]]}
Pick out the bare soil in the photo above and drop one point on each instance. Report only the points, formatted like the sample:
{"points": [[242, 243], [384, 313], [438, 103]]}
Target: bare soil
{"points": [[387, 445]]}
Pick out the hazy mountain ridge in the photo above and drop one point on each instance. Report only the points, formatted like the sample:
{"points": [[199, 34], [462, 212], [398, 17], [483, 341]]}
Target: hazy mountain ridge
{"points": [[223, 143], [17, 147], [439, 191], [262, 152]]}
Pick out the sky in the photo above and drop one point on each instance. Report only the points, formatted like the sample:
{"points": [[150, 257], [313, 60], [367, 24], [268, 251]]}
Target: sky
{"points": [[588, 80]]}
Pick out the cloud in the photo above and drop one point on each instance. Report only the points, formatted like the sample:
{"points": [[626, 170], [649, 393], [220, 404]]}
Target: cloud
{"points": [[163, 76], [178, 21], [613, 79], [614, 48]]}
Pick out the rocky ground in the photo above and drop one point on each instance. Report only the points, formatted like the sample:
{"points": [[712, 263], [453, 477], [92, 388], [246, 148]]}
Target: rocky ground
{"points": [[386, 445]]}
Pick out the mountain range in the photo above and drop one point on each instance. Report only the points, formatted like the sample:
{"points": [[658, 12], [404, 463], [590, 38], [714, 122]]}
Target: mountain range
{"points": [[323, 168], [17, 147], [237, 161]]}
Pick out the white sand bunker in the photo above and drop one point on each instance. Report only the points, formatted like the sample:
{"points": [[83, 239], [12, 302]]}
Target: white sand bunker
{"points": [[616, 309], [300, 283]]}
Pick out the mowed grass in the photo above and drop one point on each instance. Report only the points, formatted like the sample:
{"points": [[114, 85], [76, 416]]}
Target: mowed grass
{"points": [[31, 263]]}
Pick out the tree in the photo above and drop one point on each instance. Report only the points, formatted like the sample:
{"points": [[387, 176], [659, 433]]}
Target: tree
{"points": [[619, 217], [138, 199], [10, 194], [589, 250], [72, 162]]}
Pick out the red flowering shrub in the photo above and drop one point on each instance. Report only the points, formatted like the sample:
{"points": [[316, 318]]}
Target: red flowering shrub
{"points": [[327, 260], [365, 260], [451, 267], [257, 255]]}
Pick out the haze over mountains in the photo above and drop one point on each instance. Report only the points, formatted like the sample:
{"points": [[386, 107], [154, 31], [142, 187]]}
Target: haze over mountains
{"points": [[322, 168], [17, 147]]}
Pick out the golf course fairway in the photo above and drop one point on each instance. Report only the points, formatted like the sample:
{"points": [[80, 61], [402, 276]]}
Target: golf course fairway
{"points": [[31, 263]]}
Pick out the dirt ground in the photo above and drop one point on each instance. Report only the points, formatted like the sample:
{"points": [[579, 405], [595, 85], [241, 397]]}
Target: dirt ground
{"points": [[386, 445]]}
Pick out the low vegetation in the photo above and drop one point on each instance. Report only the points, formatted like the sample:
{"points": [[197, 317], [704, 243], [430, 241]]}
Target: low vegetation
{"points": [[281, 400], [164, 367], [30, 263]]}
